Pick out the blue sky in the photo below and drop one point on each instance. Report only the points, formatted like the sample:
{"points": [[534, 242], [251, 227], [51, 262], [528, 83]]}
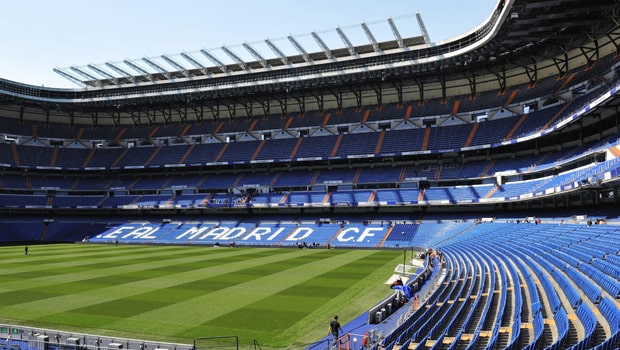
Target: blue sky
{"points": [[39, 35]]}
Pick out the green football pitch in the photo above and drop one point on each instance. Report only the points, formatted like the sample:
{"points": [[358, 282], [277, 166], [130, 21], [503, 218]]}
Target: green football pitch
{"points": [[278, 296]]}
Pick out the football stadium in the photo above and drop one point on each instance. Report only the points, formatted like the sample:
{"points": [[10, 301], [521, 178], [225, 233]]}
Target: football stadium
{"points": [[394, 194]]}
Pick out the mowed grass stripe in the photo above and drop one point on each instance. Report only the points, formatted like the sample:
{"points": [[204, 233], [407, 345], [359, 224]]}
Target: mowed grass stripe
{"points": [[43, 255], [136, 285], [246, 286], [110, 268], [301, 311], [40, 310], [189, 290], [209, 308], [178, 293], [101, 256], [59, 302], [50, 263]]}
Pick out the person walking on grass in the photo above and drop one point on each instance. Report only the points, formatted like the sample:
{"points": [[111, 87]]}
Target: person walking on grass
{"points": [[26, 250], [335, 329]]}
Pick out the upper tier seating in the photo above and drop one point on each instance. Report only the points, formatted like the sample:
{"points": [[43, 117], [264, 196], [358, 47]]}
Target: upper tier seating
{"points": [[322, 144]]}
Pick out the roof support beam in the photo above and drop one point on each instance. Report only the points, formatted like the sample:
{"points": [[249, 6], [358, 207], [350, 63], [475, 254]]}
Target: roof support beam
{"points": [[152, 117], [249, 109], [256, 55], [199, 113], [357, 91], [321, 43], [195, 63], [613, 37], [121, 71], [283, 105], [176, 65], [136, 117], [378, 89], [116, 118], [561, 63], [266, 104], [371, 37], [591, 53], [346, 41], [182, 112], [398, 85], [94, 118], [301, 103], [420, 84], [139, 69], [532, 73], [215, 112], [71, 118], [235, 58], [215, 61], [277, 51], [299, 49], [501, 80], [378, 93], [266, 107], [472, 85], [427, 38], [232, 110], [338, 96], [167, 115], [319, 101], [69, 77], [103, 73], [396, 33], [156, 66], [442, 81], [83, 73]]}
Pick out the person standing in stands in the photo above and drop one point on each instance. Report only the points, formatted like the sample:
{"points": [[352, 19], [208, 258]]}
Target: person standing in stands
{"points": [[335, 329]]}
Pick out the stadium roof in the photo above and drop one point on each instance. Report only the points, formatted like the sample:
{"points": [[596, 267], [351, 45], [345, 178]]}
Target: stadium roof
{"points": [[248, 57], [530, 30], [523, 40]]}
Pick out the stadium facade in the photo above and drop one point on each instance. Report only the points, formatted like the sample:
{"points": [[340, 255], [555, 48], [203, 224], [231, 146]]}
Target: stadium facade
{"points": [[515, 119]]}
